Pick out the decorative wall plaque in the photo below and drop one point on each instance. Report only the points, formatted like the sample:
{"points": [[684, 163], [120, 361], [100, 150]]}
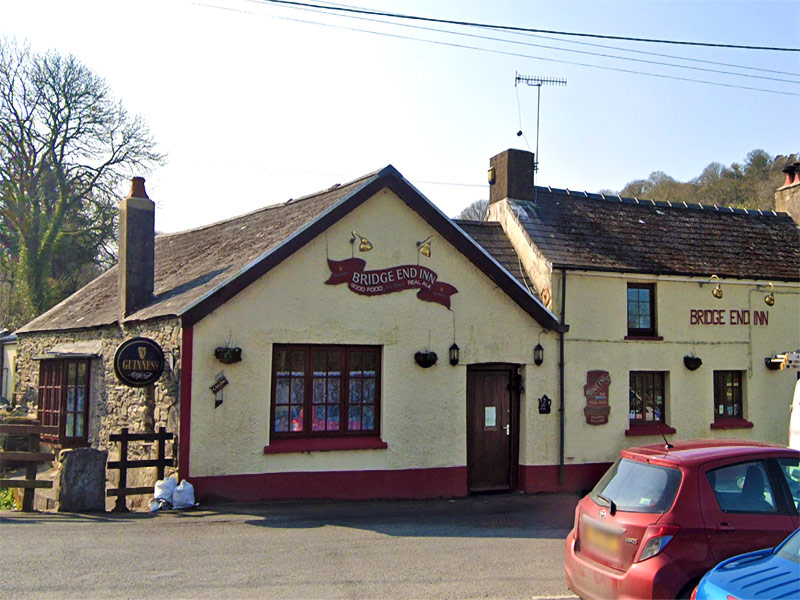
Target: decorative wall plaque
{"points": [[596, 392]]}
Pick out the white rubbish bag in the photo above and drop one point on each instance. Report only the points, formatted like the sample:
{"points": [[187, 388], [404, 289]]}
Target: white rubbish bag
{"points": [[183, 495], [162, 494]]}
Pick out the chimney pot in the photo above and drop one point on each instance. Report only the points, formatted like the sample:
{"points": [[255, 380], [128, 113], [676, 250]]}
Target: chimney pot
{"points": [[136, 250], [137, 188]]}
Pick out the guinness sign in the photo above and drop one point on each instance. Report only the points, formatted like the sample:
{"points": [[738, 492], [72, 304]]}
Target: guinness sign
{"points": [[138, 362]]}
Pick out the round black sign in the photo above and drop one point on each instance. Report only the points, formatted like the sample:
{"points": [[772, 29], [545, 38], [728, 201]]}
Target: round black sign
{"points": [[138, 362]]}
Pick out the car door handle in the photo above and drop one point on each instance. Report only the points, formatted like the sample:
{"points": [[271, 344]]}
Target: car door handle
{"points": [[725, 528]]}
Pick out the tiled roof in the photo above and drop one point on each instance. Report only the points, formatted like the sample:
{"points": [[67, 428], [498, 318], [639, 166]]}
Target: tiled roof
{"points": [[590, 231], [493, 239], [192, 263], [199, 269]]}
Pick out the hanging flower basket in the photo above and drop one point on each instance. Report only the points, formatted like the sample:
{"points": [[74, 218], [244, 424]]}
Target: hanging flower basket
{"points": [[425, 359], [227, 355], [692, 362]]}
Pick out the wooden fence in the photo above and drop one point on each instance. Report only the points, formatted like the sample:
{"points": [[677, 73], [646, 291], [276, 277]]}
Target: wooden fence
{"points": [[160, 463], [32, 457]]}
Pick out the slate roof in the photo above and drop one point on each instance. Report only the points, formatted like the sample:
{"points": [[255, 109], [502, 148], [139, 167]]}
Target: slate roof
{"points": [[491, 237], [192, 263], [199, 269], [593, 232]]}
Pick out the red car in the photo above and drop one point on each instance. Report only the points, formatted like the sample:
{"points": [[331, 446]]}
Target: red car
{"points": [[663, 515]]}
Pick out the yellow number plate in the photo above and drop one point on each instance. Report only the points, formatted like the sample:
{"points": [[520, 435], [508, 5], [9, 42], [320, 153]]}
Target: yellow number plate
{"points": [[604, 541]]}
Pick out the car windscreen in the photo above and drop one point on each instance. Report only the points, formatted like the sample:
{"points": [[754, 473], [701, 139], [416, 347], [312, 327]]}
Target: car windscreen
{"points": [[635, 486], [790, 550]]}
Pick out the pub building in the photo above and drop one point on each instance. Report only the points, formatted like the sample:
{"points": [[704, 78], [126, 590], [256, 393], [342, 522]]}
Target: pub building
{"points": [[358, 343]]}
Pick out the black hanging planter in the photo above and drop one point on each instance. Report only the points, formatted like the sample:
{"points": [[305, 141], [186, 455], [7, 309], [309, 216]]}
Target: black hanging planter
{"points": [[425, 359], [692, 362], [227, 355]]}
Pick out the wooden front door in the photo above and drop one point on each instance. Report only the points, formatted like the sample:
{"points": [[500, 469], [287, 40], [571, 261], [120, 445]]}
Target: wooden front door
{"points": [[492, 414]]}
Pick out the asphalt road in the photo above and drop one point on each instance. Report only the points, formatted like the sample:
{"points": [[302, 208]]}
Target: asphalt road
{"points": [[508, 546]]}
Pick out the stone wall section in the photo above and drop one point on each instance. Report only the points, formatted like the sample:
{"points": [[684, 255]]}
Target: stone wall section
{"points": [[113, 405]]}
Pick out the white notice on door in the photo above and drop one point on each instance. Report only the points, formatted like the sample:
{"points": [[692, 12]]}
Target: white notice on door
{"points": [[491, 416]]}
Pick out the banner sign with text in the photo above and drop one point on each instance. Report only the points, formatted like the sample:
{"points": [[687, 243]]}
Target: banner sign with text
{"points": [[387, 281]]}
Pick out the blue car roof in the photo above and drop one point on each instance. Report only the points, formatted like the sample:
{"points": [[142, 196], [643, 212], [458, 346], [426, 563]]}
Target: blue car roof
{"points": [[761, 574]]}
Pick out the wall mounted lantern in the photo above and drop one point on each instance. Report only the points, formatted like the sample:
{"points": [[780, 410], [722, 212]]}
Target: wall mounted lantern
{"points": [[454, 351], [364, 245], [424, 247], [717, 291], [769, 299], [538, 355]]}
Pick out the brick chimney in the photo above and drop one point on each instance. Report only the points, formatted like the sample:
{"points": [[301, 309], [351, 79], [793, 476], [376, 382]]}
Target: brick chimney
{"points": [[511, 176], [136, 249], [787, 197]]}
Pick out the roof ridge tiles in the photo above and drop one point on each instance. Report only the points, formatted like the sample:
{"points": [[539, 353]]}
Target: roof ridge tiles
{"points": [[681, 204]]}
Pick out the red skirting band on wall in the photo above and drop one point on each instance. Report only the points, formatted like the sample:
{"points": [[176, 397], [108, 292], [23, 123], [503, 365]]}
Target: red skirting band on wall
{"points": [[446, 482], [544, 478]]}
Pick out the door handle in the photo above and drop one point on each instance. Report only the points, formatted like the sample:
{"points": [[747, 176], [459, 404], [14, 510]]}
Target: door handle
{"points": [[508, 429], [725, 528]]}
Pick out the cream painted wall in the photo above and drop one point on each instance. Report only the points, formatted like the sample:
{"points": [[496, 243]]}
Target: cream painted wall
{"points": [[9, 362], [423, 411], [596, 313]]}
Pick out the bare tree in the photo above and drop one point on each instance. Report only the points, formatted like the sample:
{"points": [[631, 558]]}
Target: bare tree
{"points": [[475, 211], [66, 147]]}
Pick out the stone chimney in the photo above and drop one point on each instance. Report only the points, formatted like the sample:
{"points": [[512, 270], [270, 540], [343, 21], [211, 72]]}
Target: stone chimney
{"points": [[787, 197], [136, 249], [511, 176]]}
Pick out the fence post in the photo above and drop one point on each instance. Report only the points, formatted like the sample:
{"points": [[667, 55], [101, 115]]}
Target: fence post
{"points": [[122, 504], [162, 442], [30, 473]]}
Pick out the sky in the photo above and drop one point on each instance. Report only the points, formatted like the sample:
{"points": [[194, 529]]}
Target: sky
{"points": [[255, 103]]}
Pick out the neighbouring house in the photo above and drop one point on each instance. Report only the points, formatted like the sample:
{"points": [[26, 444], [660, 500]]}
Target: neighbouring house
{"points": [[8, 357], [675, 310], [358, 343]]}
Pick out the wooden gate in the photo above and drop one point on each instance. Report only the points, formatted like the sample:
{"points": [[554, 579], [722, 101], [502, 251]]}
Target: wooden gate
{"points": [[160, 463], [32, 457]]}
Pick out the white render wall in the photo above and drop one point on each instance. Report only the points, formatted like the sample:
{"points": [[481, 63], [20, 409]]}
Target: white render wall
{"points": [[423, 411], [596, 313]]}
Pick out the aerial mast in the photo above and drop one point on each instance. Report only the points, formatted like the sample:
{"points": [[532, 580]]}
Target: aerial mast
{"points": [[538, 82]]}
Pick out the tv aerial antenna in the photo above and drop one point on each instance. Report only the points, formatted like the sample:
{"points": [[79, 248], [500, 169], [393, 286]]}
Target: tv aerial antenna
{"points": [[536, 82]]}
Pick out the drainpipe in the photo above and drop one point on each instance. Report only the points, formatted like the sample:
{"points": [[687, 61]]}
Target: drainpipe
{"points": [[561, 331]]}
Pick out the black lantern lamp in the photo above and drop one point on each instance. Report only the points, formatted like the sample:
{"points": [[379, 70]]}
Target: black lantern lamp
{"points": [[454, 354], [538, 355]]}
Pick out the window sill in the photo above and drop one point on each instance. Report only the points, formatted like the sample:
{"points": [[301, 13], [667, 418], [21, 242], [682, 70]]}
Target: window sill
{"points": [[283, 446], [734, 423], [648, 429], [644, 338]]}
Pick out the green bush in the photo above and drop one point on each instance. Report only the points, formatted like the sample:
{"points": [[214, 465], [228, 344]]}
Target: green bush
{"points": [[7, 500]]}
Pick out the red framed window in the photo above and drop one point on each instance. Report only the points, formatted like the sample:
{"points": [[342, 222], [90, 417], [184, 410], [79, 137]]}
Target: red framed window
{"points": [[647, 397], [64, 399], [325, 391], [728, 402], [641, 309]]}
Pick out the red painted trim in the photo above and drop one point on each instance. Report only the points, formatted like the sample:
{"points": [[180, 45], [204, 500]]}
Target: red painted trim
{"points": [[644, 338], [648, 429], [278, 446], [544, 478], [734, 423], [185, 401], [415, 484]]}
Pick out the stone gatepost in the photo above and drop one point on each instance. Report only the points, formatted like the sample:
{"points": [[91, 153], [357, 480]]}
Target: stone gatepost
{"points": [[80, 484]]}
